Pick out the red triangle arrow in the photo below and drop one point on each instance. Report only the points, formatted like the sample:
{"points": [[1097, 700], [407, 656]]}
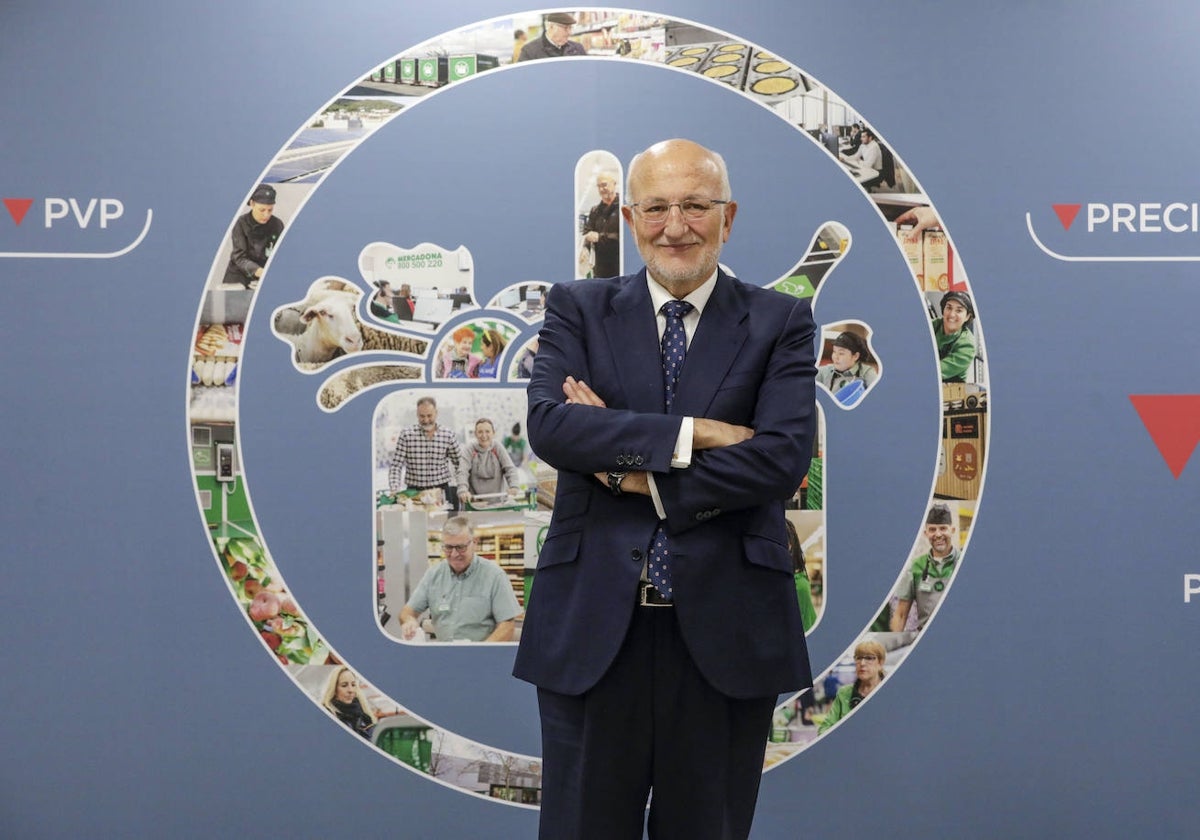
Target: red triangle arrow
{"points": [[1173, 421], [1066, 213], [18, 207]]}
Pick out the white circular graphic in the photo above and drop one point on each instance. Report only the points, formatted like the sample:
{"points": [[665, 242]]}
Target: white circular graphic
{"points": [[415, 340]]}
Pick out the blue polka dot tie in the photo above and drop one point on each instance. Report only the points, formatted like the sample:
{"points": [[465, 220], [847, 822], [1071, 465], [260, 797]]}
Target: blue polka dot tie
{"points": [[674, 348]]}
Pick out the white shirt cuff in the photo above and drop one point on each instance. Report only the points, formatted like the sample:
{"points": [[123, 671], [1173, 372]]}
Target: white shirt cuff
{"points": [[681, 461], [658, 505], [683, 445]]}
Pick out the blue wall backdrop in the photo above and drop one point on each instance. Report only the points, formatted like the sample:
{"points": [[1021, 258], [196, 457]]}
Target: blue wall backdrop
{"points": [[1054, 694]]}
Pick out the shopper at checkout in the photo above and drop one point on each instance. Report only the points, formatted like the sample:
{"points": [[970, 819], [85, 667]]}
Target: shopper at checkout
{"points": [[490, 470], [427, 457]]}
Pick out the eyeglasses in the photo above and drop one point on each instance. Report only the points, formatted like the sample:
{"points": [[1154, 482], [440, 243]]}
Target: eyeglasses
{"points": [[866, 657], [461, 548], [693, 209]]}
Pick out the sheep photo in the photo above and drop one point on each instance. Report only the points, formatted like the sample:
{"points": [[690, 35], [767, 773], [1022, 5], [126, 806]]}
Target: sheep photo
{"points": [[346, 384], [325, 326]]}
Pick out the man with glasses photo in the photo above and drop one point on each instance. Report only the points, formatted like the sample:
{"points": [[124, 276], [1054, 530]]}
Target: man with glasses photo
{"points": [[468, 597], [677, 405]]}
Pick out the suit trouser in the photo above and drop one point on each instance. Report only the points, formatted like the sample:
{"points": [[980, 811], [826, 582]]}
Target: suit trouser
{"points": [[652, 722]]}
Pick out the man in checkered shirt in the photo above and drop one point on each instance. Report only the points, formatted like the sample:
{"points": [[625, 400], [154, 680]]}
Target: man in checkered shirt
{"points": [[427, 456]]}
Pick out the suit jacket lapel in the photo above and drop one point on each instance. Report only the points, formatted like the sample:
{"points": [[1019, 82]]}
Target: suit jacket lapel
{"points": [[633, 341], [719, 337]]}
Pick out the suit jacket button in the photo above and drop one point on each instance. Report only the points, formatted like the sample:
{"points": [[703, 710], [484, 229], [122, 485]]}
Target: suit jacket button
{"points": [[636, 555], [638, 460], [700, 516], [716, 511]]}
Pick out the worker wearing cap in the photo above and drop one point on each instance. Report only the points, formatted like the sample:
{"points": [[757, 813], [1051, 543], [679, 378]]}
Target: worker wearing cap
{"points": [[254, 236], [851, 360], [955, 343], [555, 41], [930, 573]]}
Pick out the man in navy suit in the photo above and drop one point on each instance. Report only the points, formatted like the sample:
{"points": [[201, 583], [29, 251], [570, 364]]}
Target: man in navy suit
{"points": [[651, 678]]}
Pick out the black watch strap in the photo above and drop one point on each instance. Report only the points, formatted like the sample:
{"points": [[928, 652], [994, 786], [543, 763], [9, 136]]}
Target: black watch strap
{"points": [[614, 482]]}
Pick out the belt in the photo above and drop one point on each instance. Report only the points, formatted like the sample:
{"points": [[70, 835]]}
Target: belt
{"points": [[648, 596]]}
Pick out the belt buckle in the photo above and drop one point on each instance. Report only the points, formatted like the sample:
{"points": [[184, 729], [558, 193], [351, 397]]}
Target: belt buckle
{"points": [[648, 596]]}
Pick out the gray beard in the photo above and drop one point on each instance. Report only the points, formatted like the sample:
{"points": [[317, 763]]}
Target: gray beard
{"points": [[672, 280]]}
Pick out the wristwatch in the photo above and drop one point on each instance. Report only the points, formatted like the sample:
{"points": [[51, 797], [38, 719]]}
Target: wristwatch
{"points": [[614, 482]]}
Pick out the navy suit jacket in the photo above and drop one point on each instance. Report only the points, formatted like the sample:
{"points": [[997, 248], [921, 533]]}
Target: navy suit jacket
{"points": [[750, 362]]}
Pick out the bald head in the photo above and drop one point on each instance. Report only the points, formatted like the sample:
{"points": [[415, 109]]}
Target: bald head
{"points": [[674, 159]]}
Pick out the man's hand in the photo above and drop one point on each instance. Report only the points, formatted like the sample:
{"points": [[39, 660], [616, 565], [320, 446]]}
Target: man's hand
{"points": [[710, 434], [408, 622], [577, 392], [920, 218], [504, 632], [706, 433]]}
